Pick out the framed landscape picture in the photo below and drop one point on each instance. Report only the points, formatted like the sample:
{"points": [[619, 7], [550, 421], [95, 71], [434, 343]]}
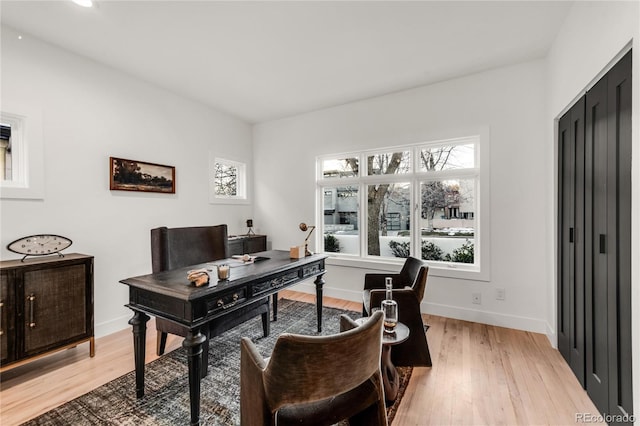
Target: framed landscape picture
{"points": [[132, 175]]}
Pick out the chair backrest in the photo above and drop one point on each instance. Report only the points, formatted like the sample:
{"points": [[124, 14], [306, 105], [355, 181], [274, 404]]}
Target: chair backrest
{"points": [[173, 248], [311, 368], [414, 274]]}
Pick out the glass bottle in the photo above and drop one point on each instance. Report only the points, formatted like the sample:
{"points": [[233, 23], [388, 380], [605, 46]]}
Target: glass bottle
{"points": [[388, 284], [389, 307]]}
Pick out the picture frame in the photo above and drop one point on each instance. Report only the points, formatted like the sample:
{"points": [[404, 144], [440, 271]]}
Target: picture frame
{"points": [[134, 175]]}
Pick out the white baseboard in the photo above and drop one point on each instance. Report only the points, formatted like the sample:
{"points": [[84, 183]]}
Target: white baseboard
{"points": [[338, 293], [483, 317], [551, 335], [108, 327]]}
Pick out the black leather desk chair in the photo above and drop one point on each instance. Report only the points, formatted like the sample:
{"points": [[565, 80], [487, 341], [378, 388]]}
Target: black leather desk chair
{"points": [[173, 248], [408, 290]]}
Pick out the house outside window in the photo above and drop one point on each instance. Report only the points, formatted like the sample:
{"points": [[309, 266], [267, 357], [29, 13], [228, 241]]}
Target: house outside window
{"points": [[419, 200], [13, 160]]}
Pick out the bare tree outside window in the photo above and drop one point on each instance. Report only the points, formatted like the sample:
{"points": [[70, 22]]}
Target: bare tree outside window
{"points": [[226, 179], [378, 196]]}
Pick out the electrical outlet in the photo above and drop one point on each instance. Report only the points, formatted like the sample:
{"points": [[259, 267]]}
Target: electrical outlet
{"points": [[499, 293], [475, 298]]}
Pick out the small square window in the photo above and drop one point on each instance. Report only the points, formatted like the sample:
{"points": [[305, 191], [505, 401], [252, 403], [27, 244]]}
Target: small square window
{"points": [[228, 181]]}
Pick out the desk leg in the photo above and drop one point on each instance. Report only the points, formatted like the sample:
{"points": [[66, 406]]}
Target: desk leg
{"points": [[193, 345], [390, 377], [319, 282], [139, 323], [274, 297]]}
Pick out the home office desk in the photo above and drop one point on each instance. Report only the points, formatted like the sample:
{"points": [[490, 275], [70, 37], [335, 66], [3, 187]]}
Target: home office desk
{"points": [[169, 295]]}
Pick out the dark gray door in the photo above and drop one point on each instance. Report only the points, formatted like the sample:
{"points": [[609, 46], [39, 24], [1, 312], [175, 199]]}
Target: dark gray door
{"points": [[594, 242], [571, 239], [608, 260], [619, 233], [597, 377]]}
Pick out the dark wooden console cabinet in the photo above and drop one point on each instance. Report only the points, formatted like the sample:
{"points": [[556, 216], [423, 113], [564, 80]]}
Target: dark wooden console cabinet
{"points": [[245, 244], [46, 305]]}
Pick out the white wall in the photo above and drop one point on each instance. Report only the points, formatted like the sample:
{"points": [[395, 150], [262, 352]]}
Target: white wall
{"points": [[510, 102], [90, 112], [592, 37]]}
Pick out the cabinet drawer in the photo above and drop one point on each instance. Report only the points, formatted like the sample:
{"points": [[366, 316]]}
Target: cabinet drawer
{"points": [[226, 301], [310, 270], [275, 283]]}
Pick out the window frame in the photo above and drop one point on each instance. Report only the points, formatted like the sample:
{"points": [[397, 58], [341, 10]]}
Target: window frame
{"points": [[480, 270], [28, 157], [242, 182]]}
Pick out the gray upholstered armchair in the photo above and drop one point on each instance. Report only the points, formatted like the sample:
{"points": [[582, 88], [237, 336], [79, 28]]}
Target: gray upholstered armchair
{"points": [[408, 290], [173, 248], [316, 380]]}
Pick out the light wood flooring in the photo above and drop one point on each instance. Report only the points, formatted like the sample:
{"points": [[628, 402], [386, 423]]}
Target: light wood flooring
{"points": [[481, 375]]}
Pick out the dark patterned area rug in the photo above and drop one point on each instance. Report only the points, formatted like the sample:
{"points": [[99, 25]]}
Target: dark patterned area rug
{"points": [[166, 400]]}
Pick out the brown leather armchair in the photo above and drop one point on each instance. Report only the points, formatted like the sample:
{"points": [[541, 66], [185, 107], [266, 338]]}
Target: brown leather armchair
{"points": [[408, 290], [173, 248], [315, 380]]}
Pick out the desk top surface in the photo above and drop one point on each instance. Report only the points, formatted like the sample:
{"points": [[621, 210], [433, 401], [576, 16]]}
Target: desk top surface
{"points": [[175, 283]]}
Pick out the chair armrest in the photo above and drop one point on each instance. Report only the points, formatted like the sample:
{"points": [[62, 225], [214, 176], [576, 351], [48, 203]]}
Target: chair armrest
{"points": [[253, 406], [347, 323], [372, 281], [403, 296]]}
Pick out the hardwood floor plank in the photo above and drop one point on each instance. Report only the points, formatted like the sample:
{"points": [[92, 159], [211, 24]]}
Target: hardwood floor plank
{"points": [[481, 375]]}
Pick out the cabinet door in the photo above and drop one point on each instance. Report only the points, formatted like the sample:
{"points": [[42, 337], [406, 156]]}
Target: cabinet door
{"points": [[236, 246], [255, 244], [7, 319], [55, 309]]}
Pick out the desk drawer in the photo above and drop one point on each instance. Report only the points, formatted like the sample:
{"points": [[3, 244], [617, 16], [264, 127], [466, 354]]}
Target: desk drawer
{"points": [[226, 301], [313, 269], [275, 283]]}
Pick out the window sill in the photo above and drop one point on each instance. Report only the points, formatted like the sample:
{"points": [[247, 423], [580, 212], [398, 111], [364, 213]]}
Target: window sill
{"points": [[229, 201], [461, 272]]}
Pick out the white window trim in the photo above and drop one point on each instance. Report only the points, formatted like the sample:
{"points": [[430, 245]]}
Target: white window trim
{"points": [[28, 155], [242, 182], [481, 270]]}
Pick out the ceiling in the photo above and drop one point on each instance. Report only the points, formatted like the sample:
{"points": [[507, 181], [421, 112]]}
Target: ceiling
{"points": [[266, 60]]}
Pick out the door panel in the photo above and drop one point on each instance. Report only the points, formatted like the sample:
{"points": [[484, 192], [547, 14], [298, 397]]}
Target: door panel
{"points": [[571, 246], [577, 358], [565, 226], [619, 224], [597, 363]]}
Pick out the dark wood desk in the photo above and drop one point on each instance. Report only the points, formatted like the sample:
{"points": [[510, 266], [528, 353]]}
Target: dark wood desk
{"points": [[169, 295]]}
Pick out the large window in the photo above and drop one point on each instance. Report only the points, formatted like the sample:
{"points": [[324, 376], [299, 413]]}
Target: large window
{"points": [[420, 200]]}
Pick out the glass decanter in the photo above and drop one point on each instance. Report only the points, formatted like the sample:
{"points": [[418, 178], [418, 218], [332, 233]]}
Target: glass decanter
{"points": [[390, 308]]}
